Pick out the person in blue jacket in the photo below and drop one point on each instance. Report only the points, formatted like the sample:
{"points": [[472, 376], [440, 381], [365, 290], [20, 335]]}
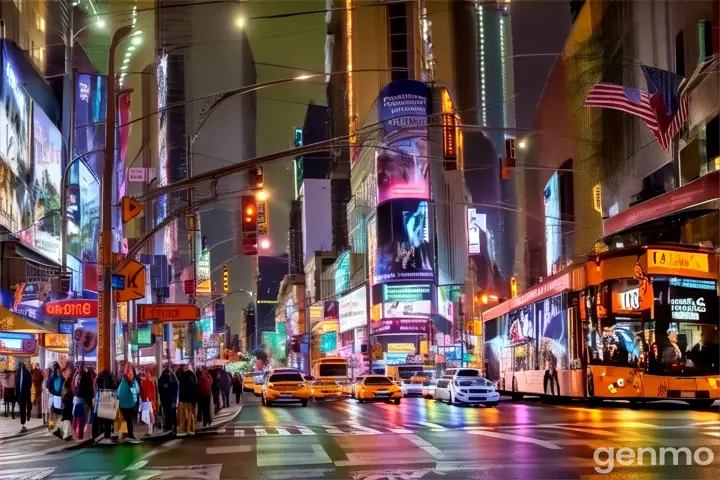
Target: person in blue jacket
{"points": [[129, 400]]}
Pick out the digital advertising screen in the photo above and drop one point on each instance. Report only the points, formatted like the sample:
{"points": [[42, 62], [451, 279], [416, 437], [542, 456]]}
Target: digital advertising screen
{"points": [[445, 304], [372, 248], [90, 116], [120, 184], [406, 301], [89, 213], [47, 160], [161, 204], [402, 165], [353, 310], [404, 249], [342, 273], [328, 342], [553, 232], [16, 167]]}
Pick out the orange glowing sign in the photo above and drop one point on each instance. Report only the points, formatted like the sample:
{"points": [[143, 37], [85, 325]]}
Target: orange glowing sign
{"points": [[72, 308], [57, 341], [668, 259], [168, 312]]}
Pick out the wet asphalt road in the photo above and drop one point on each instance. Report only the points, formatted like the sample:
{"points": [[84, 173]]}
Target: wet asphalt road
{"points": [[419, 439]]}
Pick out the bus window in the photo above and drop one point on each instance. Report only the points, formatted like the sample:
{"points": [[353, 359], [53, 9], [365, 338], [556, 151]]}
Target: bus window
{"points": [[619, 343]]}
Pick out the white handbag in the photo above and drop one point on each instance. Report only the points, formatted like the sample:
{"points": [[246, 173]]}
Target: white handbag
{"points": [[107, 404], [57, 402]]}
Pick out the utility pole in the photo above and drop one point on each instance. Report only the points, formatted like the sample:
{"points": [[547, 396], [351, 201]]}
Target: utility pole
{"points": [[104, 360], [193, 252]]}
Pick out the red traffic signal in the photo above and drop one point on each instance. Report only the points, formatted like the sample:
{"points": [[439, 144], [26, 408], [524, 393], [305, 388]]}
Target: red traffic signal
{"points": [[248, 228]]}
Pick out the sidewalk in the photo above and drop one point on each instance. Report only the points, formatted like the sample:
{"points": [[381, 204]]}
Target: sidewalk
{"points": [[10, 428]]}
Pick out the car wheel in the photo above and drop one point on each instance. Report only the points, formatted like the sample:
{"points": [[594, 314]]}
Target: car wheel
{"points": [[397, 401], [303, 403]]}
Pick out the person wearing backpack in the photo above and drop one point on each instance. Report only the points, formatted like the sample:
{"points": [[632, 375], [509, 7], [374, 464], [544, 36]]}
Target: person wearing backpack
{"points": [[54, 386]]}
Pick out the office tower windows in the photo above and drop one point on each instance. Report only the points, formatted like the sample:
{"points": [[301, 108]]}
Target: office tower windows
{"points": [[398, 30]]}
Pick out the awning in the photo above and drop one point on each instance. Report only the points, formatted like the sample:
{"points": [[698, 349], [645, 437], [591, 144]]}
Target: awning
{"points": [[12, 322], [704, 189]]}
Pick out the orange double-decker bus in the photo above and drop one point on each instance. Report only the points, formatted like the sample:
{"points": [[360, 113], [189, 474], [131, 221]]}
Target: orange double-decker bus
{"points": [[638, 324]]}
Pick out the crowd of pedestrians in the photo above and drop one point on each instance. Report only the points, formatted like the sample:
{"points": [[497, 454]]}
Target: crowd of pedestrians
{"points": [[73, 399]]}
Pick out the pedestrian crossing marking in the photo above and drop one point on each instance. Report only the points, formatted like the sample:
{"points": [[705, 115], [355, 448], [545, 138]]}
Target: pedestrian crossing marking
{"points": [[230, 449], [260, 432], [400, 430], [239, 433], [305, 431], [282, 431]]}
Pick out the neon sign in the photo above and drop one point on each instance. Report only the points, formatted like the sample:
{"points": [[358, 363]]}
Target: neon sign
{"points": [[72, 308]]}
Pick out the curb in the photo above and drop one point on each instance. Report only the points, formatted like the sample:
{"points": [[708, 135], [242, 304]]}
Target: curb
{"points": [[18, 435], [214, 429]]}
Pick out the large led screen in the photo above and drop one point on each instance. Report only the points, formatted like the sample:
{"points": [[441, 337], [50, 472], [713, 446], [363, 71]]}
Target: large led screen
{"points": [[47, 160], [90, 116], [353, 310], [372, 248], [402, 165], [16, 167], [89, 214], [406, 301], [553, 232], [404, 249]]}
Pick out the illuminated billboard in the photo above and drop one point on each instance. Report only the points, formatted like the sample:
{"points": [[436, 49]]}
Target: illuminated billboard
{"points": [[47, 160], [16, 167], [553, 232], [372, 248], [353, 310], [342, 273], [406, 301], [90, 115], [401, 167], [404, 249]]}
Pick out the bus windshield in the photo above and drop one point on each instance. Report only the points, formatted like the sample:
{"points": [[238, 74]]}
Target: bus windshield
{"points": [[333, 370]]}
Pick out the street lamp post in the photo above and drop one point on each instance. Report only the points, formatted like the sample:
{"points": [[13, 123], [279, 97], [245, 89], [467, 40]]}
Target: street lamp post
{"points": [[104, 360]]}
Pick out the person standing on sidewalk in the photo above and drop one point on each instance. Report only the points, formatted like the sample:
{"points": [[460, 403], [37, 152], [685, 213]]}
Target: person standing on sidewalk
{"points": [[54, 385], [225, 385], [82, 401], [23, 390], [186, 406], [66, 406], [237, 387], [104, 381], [148, 399], [37, 389], [128, 401], [46, 398], [204, 397], [7, 380], [169, 389]]}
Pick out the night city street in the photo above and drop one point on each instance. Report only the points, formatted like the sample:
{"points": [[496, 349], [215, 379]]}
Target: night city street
{"points": [[419, 439]]}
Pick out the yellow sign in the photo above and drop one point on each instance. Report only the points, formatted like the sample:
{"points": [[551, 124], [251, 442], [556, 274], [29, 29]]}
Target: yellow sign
{"points": [[57, 341], [597, 198], [134, 273], [131, 208], [695, 262], [401, 348], [122, 310], [203, 287]]}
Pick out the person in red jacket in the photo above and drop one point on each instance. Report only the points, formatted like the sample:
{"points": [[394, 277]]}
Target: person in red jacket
{"points": [[205, 395], [148, 401]]}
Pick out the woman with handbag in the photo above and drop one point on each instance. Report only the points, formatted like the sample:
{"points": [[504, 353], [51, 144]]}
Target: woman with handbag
{"points": [[106, 409], [54, 385], [148, 405], [129, 400], [66, 408]]}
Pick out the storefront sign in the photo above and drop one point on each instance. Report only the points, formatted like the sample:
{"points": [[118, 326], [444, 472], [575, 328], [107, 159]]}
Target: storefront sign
{"points": [[704, 189], [401, 348], [400, 326], [57, 341], [630, 300], [72, 308], [687, 308], [168, 313], [353, 310], [684, 261]]}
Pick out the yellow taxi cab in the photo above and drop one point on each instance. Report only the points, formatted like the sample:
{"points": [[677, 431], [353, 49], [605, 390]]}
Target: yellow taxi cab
{"points": [[377, 388], [326, 388], [258, 381], [285, 386]]}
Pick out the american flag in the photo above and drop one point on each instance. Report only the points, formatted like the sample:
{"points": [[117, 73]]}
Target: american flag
{"points": [[625, 99], [671, 109]]}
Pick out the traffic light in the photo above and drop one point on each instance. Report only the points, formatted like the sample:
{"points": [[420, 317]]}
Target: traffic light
{"points": [[249, 225], [226, 279], [510, 148]]}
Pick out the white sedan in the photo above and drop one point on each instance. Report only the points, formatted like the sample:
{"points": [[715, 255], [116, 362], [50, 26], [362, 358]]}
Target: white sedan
{"points": [[467, 386], [418, 387]]}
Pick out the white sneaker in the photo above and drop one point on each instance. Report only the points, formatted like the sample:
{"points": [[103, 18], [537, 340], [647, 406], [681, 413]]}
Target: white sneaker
{"points": [[181, 434], [134, 440], [191, 433]]}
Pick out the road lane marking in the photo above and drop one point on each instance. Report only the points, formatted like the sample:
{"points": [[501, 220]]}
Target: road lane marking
{"points": [[363, 430], [282, 431], [435, 426], [332, 430], [222, 430], [261, 432], [276, 455], [385, 458], [230, 449], [239, 433], [516, 438], [137, 465], [284, 474], [305, 431], [562, 427], [436, 453], [400, 430], [712, 434]]}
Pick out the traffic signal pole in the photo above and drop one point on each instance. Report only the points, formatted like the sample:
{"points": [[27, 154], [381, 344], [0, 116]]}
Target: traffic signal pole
{"points": [[104, 359]]}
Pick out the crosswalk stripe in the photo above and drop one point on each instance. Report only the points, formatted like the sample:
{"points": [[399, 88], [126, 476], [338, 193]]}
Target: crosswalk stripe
{"points": [[282, 431], [229, 449], [261, 432], [436, 453], [332, 430], [239, 433], [364, 430], [432, 425], [305, 431], [400, 430]]}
